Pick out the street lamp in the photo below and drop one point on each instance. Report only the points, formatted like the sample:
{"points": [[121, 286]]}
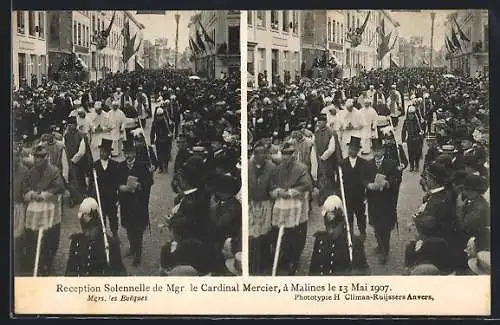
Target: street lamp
{"points": [[433, 16], [177, 17]]}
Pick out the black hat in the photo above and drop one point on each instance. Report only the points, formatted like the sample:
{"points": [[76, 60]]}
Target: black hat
{"points": [[438, 171], [355, 141], [227, 184], [106, 144], [476, 183], [322, 117], [128, 146]]}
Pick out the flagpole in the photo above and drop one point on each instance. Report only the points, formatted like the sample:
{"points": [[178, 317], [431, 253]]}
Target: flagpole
{"points": [[433, 16]]}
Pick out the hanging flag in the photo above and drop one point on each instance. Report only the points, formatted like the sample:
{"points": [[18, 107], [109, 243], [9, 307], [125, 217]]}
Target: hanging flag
{"points": [[383, 48], [138, 65], [463, 37], [208, 39], [199, 41], [356, 35], [128, 51], [106, 32], [451, 47], [394, 43], [455, 41]]}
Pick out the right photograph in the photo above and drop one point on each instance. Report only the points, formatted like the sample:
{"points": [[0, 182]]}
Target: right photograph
{"points": [[368, 142]]}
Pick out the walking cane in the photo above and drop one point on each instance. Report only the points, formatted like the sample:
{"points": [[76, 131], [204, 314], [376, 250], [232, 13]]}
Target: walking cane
{"points": [[344, 207], [101, 215], [38, 248]]}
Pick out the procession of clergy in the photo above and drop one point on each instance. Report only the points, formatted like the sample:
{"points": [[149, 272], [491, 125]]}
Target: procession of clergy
{"points": [[352, 156], [106, 163]]}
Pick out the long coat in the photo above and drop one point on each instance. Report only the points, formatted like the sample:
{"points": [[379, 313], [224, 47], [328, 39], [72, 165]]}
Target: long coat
{"points": [[107, 181], [381, 203], [134, 207]]}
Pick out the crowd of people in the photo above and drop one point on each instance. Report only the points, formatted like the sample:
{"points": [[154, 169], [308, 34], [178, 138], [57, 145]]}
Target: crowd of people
{"points": [[341, 137], [85, 144]]}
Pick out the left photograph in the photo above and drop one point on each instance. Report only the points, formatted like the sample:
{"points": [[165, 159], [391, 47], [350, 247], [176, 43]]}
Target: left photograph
{"points": [[126, 143]]}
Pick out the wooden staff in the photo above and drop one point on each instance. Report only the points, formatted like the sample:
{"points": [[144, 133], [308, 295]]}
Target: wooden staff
{"points": [[38, 249], [344, 207], [278, 248], [101, 215]]}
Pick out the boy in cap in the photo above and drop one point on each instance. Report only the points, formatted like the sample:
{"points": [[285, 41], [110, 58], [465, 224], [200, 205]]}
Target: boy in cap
{"points": [[353, 169], [331, 247], [134, 188], [108, 174], [87, 252]]}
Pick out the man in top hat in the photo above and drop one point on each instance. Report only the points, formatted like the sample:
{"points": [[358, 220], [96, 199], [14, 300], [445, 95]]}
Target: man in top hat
{"points": [[144, 152], [192, 202], [440, 205], [290, 185], [380, 181], [473, 212], [327, 148], [465, 150], [117, 121], [331, 254], [100, 127], [42, 187], [108, 174], [225, 211], [87, 252], [353, 170], [134, 187], [349, 123]]}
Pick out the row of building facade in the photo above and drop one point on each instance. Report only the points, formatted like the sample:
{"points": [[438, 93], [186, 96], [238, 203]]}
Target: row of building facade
{"points": [[474, 56], [285, 43], [41, 40], [222, 57]]}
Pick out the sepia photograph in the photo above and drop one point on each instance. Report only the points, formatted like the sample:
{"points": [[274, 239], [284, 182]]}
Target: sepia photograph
{"points": [[368, 142], [126, 136]]}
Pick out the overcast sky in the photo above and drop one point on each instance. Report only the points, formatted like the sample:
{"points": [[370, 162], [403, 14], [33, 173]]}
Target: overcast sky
{"points": [[419, 24], [163, 26]]}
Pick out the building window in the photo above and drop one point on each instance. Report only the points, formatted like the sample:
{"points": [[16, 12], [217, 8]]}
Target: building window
{"points": [[93, 24], [341, 33], [274, 62], [20, 22], [274, 20], [98, 24], [22, 67], [262, 60], [295, 22], [286, 21], [348, 20], [297, 61], [486, 41], [337, 32], [249, 17], [41, 24], [286, 59], [234, 39], [43, 65], [329, 29], [31, 22], [75, 32], [79, 34], [250, 62], [334, 31], [261, 18]]}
